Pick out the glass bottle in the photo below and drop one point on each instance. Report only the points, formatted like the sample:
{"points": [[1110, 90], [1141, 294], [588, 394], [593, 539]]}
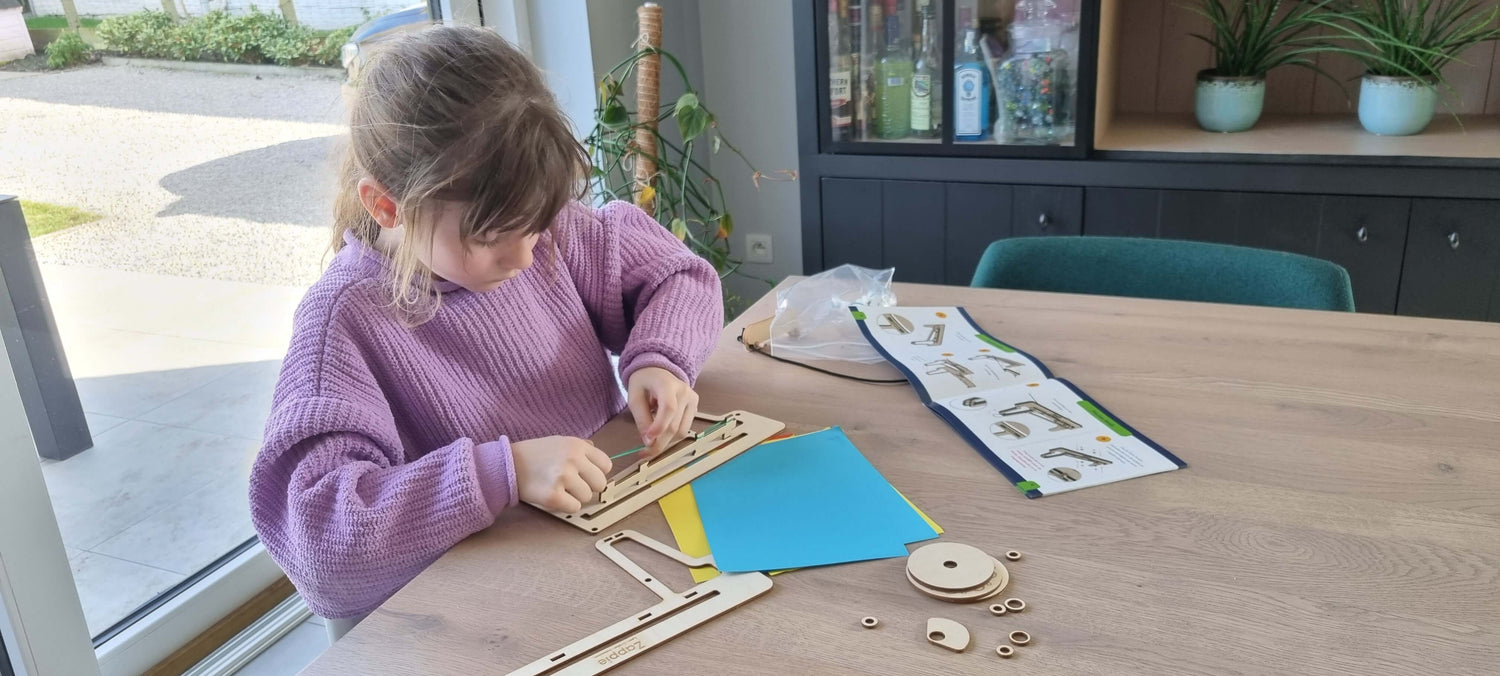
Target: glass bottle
{"points": [[840, 71], [971, 93], [866, 115], [1032, 84], [926, 103], [893, 82]]}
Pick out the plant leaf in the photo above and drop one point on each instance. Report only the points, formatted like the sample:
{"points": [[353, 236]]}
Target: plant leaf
{"points": [[692, 119], [726, 226], [679, 229]]}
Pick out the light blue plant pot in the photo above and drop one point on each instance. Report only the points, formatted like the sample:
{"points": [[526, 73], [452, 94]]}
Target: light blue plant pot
{"points": [[1396, 106], [1228, 104]]}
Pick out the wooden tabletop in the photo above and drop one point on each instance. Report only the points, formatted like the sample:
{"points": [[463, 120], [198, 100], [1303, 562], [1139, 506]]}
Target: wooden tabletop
{"points": [[1340, 514]]}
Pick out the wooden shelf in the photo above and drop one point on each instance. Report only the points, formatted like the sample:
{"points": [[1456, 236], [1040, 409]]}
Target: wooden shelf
{"points": [[1301, 135]]}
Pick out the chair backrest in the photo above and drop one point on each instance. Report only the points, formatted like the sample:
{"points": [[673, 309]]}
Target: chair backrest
{"points": [[1167, 269]]}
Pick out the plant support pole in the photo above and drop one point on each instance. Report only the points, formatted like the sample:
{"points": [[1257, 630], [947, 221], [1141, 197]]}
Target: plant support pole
{"points": [[647, 102]]}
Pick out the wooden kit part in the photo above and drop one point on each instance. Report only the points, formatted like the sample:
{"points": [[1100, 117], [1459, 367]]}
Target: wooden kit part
{"points": [[1015, 605], [1005, 651], [647, 481], [988, 590], [950, 566], [675, 614], [1020, 637], [948, 634]]}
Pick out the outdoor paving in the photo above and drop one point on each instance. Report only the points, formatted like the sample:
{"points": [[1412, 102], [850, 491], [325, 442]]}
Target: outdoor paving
{"points": [[175, 309]]}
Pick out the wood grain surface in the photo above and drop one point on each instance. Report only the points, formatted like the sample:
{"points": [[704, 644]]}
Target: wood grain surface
{"points": [[1340, 514]]}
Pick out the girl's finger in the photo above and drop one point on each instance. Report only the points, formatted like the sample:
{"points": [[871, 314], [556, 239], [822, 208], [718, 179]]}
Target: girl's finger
{"points": [[599, 458], [640, 410], [593, 477], [563, 502], [578, 488], [668, 411]]}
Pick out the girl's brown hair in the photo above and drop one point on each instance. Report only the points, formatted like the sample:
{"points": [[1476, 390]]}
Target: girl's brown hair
{"points": [[454, 113]]}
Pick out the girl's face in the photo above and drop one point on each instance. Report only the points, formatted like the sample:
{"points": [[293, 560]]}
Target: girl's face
{"points": [[479, 264]]}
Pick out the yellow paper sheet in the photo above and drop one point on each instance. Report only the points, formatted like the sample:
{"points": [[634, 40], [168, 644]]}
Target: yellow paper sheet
{"points": [[681, 510]]}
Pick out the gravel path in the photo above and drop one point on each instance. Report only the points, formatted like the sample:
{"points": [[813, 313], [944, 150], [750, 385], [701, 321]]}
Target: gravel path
{"points": [[197, 175]]}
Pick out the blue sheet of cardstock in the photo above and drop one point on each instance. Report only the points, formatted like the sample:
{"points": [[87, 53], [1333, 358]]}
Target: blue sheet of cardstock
{"points": [[812, 500]]}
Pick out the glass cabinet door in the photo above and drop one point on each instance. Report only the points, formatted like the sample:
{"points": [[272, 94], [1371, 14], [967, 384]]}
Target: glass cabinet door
{"points": [[1009, 85], [886, 74], [1015, 72]]}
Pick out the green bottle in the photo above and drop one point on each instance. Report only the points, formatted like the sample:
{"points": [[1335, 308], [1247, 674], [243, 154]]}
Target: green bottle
{"points": [[893, 83]]}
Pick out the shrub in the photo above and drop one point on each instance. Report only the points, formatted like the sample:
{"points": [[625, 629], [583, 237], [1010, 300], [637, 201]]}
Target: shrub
{"points": [[253, 37], [68, 50]]}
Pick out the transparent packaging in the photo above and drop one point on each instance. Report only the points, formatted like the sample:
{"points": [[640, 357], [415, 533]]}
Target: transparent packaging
{"points": [[812, 319]]}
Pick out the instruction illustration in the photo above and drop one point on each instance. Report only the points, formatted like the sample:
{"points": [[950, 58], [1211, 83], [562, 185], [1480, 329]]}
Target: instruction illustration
{"points": [[1042, 433]]}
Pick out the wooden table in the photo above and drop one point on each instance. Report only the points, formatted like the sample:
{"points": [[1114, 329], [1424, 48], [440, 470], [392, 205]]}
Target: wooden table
{"points": [[1340, 514]]}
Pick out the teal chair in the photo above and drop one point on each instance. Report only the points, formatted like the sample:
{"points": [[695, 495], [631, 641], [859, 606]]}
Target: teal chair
{"points": [[1167, 269]]}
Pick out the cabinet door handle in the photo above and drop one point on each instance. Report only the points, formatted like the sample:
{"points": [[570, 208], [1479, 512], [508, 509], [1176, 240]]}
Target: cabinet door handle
{"points": [[1043, 221], [1453, 240], [1362, 235]]}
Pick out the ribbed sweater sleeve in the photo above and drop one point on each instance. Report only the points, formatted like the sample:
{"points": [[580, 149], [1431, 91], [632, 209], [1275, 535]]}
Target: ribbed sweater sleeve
{"points": [[340, 503], [654, 302]]}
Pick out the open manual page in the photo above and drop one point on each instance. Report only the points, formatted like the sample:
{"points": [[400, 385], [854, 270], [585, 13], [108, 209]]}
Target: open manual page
{"points": [[1042, 433]]}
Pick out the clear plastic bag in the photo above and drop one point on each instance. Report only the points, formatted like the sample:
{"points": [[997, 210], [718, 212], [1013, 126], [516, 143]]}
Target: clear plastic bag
{"points": [[812, 319]]}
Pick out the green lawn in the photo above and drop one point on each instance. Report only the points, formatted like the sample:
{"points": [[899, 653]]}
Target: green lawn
{"points": [[58, 21], [42, 218]]}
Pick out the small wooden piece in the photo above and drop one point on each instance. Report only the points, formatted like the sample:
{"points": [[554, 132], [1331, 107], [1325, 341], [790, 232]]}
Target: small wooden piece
{"points": [[948, 634], [950, 566], [1015, 605], [997, 609], [676, 614], [1013, 555], [870, 622], [1020, 637], [646, 481], [1004, 651]]}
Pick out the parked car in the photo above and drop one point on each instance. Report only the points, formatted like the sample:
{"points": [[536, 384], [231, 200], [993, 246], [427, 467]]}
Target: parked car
{"points": [[369, 35]]}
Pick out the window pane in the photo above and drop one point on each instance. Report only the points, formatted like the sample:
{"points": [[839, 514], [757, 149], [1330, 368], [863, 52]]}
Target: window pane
{"points": [[1015, 72], [886, 70]]}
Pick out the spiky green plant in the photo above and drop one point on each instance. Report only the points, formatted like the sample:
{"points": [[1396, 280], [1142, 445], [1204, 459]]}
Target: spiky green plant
{"points": [[1409, 38], [1252, 37]]}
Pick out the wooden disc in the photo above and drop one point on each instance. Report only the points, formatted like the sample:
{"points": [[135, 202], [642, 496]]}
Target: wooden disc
{"points": [[950, 566], [989, 589]]}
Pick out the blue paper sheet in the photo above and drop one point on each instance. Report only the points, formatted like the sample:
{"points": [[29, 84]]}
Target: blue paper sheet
{"points": [[812, 500]]}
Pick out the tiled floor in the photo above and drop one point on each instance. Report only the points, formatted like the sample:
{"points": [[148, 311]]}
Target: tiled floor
{"points": [[176, 376], [292, 653]]}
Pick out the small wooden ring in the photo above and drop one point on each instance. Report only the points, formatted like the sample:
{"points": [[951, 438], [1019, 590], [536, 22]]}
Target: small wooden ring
{"points": [[870, 622], [1013, 555], [997, 609], [1005, 651], [1020, 637], [1015, 605]]}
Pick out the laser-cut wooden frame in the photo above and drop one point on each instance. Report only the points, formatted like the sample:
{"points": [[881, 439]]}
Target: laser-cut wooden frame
{"points": [[647, 481], [676, 614]]}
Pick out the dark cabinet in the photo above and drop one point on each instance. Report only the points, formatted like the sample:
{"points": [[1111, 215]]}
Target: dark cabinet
{"points": [[1452, 259], [1366, 235], [1043, 211], [1121, 212], [976, 214], [911, 229], [852, 213]]}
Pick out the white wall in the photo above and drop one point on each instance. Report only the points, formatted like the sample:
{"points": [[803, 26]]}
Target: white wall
{"points": [[748, 78], [739, 55], [313, 13]]}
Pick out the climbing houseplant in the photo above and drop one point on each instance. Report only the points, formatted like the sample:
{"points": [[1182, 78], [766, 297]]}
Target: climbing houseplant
{"points": [[677, 190], [1404, 46], [1249, 39]]}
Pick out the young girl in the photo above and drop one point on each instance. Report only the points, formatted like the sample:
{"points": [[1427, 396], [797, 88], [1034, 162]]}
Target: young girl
{"points": [[453, 357]]}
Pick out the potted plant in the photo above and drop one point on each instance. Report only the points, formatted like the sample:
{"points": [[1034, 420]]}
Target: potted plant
{"points": [[1404, 46], [1249, 39]]}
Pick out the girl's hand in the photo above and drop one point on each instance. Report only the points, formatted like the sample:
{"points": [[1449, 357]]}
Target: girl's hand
{"points": [[559, 473], [663, 408]]}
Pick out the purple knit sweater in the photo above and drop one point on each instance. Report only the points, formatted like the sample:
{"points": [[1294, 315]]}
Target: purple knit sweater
{"points": [[386, 445]]}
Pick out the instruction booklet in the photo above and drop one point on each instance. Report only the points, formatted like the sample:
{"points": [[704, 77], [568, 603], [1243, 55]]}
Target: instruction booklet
{"points": [[1045, 435]]}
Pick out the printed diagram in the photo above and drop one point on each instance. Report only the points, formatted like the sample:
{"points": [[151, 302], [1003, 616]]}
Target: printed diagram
{"points": [[1065, 473], [1040, 411], [1007, 429], [934, 336], [1007, 365], [1092, 460], [951, 368], [974, 402], [895, 323]]}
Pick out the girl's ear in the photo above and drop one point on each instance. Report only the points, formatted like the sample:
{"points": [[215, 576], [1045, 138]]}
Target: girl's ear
{"points": [[378, 202]]}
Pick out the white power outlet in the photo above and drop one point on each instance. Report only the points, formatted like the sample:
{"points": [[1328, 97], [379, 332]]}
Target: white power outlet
{"points": [[758, 248]]}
